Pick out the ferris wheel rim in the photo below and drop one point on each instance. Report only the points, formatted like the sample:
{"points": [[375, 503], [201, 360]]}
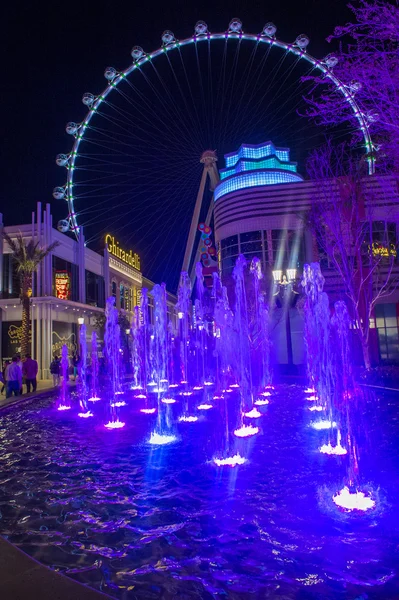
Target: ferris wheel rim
{"points": [[198, 38]]}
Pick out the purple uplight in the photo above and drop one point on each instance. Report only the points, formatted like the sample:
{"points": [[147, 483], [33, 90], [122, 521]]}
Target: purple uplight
{"points": [[253, 414], [174, 385], [148, 411], [198, 387], [261, 402], [187, 393], [204, 406], [118, 404], [230, 461], [93, 399], [337, 450], [63, 407], [315, 407], [168, 400], [353, 500], [246, 431], [140, 396], [265, 394], [188, 419], [312, 398], [234, 385], [85, 415], [114, 425], [310, 390]]}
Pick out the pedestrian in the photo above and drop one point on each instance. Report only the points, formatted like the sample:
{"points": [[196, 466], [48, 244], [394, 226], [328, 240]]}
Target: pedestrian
{"points": [[13, 378], [75, 364], [3, 381], [55, 369], [29, 371], [19, 363]]}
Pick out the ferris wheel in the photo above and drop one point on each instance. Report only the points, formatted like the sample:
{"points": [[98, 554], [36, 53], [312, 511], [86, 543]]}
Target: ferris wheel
{"points": [[135, 165]]}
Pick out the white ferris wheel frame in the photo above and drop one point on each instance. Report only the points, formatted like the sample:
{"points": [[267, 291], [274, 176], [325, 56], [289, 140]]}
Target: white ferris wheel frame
{"points": [[170, 43]]}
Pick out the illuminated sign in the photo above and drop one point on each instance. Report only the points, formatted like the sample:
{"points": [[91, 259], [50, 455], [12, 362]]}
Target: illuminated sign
{"points": [[383, 251], [62, 285], [126, 256]]}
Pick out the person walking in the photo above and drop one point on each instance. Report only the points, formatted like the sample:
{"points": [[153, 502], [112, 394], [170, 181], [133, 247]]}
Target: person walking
{"points": [[75, 364], [29, 371], [3, 380], [13, 378], [55, 370]]}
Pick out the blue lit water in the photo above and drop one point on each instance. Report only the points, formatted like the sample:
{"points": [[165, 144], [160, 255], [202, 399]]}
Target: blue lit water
{"points": [[141, 522]]}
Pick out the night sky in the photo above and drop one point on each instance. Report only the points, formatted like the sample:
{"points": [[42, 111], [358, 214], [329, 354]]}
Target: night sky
{"points": [[53, 52]]}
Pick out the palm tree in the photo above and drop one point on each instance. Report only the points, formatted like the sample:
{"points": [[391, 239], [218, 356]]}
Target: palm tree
{"points": [[27, 256]]}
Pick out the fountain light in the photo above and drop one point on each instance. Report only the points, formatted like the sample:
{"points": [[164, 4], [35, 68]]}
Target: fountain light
{"points": [[261, 402], [228, 391], [148, 411], [353, 500], [136, 387], [217, 397], [269, 387], [324, 424], [310, 390], [93, 399], [315, 407], [168, 400], [114, 425], [183, 382], [85, 415], [204, 406], [140, 396], [173, 385], [118, 404], [160, 440], [63, 407], [198, 387], [188, 419], [312, 398], [208, 382], [152, 383], [234, 385], [230, 461], [265, 394], [246, 431], [337, 450], [163, 381], [186, 393], [253, 414], [119, 393]]}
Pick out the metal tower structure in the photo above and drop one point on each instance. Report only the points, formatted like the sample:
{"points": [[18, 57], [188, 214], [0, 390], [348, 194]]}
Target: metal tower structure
{"points": [[209, 160]]}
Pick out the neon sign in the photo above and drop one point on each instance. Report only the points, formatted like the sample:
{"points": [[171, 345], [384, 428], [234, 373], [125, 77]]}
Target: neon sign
{"points": [[383, 251], [62, 285], [126, 256]]}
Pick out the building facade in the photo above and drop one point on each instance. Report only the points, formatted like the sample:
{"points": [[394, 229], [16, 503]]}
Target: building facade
{"points": [[71, 285], [261, 208]]}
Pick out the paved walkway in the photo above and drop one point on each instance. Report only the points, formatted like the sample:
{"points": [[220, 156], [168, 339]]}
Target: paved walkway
{"points": [[43, 386]]}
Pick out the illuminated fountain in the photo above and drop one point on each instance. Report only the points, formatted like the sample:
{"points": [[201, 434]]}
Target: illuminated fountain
{"points": [[94, 369], [64, 401], [84, 408], [112, 354]]}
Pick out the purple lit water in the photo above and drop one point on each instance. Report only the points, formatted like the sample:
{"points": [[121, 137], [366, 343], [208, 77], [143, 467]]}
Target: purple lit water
{"points": [[146, 522]]}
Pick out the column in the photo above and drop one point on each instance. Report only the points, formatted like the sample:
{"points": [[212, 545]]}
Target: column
{"points": [[107, 289], [1, 253], [81, 263]]}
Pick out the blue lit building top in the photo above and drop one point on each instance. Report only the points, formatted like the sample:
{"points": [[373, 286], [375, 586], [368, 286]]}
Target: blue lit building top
{"points": [[253, 166]]}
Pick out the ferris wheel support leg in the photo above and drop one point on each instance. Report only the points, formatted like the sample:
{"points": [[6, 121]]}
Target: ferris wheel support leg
{"points": [[194, 222]]}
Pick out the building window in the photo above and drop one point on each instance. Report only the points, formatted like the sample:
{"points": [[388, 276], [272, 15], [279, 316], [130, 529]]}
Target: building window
{"points": [[113, 289], [388, 332], [229, 253], [122, 295], [11, 284], [95, 289]]}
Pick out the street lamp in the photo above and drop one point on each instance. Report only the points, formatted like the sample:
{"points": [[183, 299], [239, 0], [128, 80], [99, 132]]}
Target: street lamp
{"points": [[286, 298], [81, 320]]}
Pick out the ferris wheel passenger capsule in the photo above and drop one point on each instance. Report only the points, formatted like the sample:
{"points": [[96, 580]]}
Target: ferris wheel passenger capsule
{"points": [[110, 73], [302, 41], [137, 52], [201, 28], [235, 26], [355, 86], [269, 29], [71, 128], [62, 160], [88, 99], [331, 61], [59, 193], [372, 117], [168, 37], [63, 225]]}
